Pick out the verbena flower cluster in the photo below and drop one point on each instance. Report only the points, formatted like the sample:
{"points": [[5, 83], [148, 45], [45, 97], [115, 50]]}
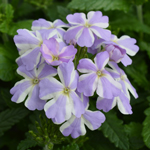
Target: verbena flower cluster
{"points": [[59, 77]]}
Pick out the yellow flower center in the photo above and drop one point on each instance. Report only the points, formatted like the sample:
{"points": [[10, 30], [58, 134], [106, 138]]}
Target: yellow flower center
{"points": [[66, 90], [87, 25], [55, 58], [99, 73], [35, 81]]}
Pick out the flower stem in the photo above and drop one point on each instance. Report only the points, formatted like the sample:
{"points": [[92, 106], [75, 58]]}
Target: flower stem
{"points": [[140, 17]]}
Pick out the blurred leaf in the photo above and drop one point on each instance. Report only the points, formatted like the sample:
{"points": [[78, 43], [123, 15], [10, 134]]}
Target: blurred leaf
{"points": [[70, 147], [9, 12], [27, 143], [145, 46], [113, 129], [63, 12], [146, 128], [99, 4], [129, 22], [8, 54], [139, 2], [134, 131], [11, 116], [20, 25]]}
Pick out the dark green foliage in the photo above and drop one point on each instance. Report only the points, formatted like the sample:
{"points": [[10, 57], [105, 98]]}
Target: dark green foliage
{"points": [[11, 116], [27, 143], [70, 147], [100, 4], [112, 128]]}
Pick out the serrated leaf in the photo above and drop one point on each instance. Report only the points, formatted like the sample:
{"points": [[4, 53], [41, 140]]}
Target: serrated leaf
{"points": [[100, 4], [70, 147], [129, 22], [27, 143], [134, 131], [11, 116], [146, 128], [113, 129]]}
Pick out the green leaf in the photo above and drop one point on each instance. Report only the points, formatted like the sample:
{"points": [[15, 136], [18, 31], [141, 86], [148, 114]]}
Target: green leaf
{"points": [[9, 12], [134, 131], [145, 47], [27, 143], [140, 2], [129, 22], [70, 147], [113, 129], [10, 117], [100, 4], [20, 25], [146, 128], [63, 12]]}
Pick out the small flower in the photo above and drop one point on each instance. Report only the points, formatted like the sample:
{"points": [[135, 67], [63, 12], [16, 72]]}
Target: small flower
{"points": [[76, 126], [119, 75], [29, 44], [128, 44], [30, 86], [65, 100], [97, 78], [55, 53], [115, 53], [83, 30], [44, 24]]}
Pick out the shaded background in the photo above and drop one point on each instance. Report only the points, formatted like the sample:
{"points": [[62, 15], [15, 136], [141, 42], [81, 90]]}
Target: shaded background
{"points": [[21, 129]]}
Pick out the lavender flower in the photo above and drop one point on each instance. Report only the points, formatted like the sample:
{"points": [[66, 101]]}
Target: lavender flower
{"points": [[44, 24], [55, 53], [97, 78], [30, 86], [65, 100], [76, 126], [29, 44], [83, 30]]}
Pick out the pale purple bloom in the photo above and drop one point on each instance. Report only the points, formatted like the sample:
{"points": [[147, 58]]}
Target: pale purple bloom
{"points": [[115, 53], [121, 101], [119, 75], [55, 53], [65, 100], [76, 126], [97, 78], [29, 44], [30, 86], [128, 44], [83, 30], [44, 24]]}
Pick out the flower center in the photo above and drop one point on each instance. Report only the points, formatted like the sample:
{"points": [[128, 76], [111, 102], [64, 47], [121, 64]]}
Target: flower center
{"points": [[55, 58], [66, 90], [123, 77], [35, 81], [87, 25], [99, 73]]}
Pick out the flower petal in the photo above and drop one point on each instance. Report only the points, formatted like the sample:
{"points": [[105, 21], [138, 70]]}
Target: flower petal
{"points": [[86, 66], [33, 101], [73, 126], [126, 60], [86, 38], [93, 120], [101, 60], [87, 84], [49, 88]]}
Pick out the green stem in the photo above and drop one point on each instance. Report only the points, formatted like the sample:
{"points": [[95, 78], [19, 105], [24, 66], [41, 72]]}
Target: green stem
{"points": [[140, 17], [48, 146]]}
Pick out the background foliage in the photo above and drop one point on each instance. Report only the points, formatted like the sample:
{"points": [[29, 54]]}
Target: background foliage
{"points": [[22, 129]]}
